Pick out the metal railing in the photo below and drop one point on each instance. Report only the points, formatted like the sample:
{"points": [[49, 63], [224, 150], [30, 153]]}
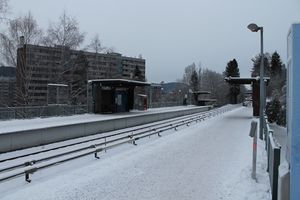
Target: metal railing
{"points": [[164, 104], [28, 112], [273, 149], [110, 141]]}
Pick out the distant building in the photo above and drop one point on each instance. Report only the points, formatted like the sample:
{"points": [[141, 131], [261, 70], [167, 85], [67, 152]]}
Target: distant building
{"points": [[7, 86], [40, 69]]}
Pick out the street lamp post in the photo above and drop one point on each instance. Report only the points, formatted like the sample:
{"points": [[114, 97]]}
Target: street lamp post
{"points": [[255, 28]]}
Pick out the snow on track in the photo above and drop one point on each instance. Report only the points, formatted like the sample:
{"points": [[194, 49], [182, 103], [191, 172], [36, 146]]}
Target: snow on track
{"points": [[210, 160]]}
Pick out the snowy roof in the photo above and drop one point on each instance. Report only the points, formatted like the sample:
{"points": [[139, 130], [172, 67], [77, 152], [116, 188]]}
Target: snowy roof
{"points": [[57, 85], [142, 95], [156, 85], [118, 82], [240, 80], [201, 92], [208, 100]]}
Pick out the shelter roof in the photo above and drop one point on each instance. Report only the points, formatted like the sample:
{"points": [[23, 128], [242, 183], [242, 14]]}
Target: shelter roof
{"points": [[201, 92], [119, 82], [208, 100], [239, 80], [57, 85]]}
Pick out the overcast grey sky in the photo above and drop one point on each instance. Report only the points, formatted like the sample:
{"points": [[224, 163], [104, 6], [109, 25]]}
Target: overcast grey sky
{"points": [[171, 34]]}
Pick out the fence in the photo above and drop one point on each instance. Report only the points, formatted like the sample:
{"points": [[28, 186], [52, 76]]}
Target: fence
{"points": [[41, 111], [273, 153], [164, 104], [28, 112]]}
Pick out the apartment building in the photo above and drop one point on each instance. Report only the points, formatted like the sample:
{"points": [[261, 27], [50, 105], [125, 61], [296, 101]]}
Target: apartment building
{"points": [[132, 67], [7, 86], [41, 68]]}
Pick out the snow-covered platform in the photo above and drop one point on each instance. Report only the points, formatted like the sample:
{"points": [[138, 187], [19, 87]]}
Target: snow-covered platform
{"points": [[209, 160], [18, 134]]}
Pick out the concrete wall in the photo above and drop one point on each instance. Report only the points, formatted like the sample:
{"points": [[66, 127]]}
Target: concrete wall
{"points": [[30, 138]]}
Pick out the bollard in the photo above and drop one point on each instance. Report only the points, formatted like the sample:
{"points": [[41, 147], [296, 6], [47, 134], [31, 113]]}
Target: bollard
{"points": [[253, 134]]}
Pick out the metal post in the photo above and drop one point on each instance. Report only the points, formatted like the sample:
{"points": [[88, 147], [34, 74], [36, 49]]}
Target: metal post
{"points": [[261, 87], [87, 96], [47, 94], [150, 96], [57, 96]]}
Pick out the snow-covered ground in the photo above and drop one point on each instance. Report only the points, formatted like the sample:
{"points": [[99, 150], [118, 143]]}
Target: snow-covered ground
{"points": [[280, 135], [209, 160], [36, 123]]}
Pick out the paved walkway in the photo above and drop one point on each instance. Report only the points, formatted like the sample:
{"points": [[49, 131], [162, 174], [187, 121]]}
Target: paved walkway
{"points": [[209, 161]]}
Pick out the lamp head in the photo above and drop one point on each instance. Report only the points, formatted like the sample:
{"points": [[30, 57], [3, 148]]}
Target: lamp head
{"points": [[253, 27]]}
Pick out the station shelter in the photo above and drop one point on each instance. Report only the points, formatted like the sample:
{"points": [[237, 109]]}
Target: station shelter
{"points": [[114, 95], [254, 81], [202, 98]]}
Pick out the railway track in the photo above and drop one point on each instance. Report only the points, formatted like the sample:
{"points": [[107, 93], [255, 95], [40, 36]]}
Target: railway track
{"points": [[27, 164]]}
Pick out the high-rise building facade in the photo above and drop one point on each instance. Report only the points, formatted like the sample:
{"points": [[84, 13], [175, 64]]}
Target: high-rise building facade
{"points": [[7, 86], [41, 68]]}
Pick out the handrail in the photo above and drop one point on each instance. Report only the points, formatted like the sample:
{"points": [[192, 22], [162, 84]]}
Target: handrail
{"points": [[103, 145]]}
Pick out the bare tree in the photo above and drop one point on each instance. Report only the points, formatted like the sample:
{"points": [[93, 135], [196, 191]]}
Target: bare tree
{"points": [[188, 71], [23, 76], [8, 50], [96, 44], [76, 78], [96, 47], [3, 9], [214, 82], [25, 26], [65, 32], [110, 50]]}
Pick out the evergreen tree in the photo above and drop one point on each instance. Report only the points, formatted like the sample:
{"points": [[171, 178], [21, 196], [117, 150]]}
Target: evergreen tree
{"points": [[276, 87], [273, 109], [281, 120], [277, 76], [256, 69], [232, 70], [194, 82], [256, 65], [276, 64]]}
